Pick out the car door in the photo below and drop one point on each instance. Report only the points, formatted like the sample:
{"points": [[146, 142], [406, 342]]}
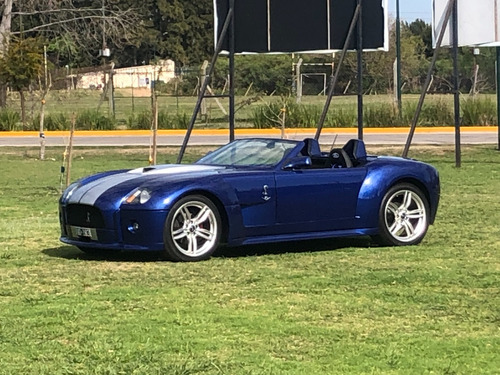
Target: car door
{"points": [[317, 199], [256, 192]]}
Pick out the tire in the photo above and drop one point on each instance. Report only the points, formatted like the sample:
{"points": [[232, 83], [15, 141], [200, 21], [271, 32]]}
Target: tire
{"points": [[192, 229], [403, 216]]}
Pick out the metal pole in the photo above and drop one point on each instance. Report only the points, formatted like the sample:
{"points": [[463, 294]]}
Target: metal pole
{"points": [[299, 81], [456, 89], [333, 81], [429, 77], [203, 88], [231, 74], [498, 94], [398, 60], [360, 70]]}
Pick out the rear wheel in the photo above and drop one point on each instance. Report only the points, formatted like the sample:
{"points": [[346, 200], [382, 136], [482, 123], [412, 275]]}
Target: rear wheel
{"points": [[192, 229], [403, 216]]}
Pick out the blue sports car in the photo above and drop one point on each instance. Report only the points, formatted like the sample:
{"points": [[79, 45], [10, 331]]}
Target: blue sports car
{"points": [[252, 191]]}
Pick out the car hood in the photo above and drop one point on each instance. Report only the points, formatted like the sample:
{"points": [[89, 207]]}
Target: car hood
{"points": [[89, 190]]}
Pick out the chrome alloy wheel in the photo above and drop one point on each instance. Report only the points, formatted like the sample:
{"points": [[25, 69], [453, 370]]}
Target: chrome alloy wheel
{"points": [[194, 229], [405, 216]]}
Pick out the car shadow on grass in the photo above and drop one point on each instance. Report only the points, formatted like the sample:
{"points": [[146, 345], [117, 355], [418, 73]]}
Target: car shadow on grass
{"points": [[295, 247], [73, 253]]}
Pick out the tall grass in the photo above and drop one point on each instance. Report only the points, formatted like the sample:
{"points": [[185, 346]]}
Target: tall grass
{"points": [[474, 111], [93, 120], [379, 111], [56, 121], [144, 120], [9, 119], [479, 112]]}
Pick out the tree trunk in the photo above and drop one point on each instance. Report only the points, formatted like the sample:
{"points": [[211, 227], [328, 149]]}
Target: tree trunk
{"points": [[5, 24], [3, 96], [5, 27], [23, 108]]}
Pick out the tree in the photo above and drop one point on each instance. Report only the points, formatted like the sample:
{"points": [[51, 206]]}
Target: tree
{"points": [[181, 30], [88, 25], [423, 30], [20, 64]]}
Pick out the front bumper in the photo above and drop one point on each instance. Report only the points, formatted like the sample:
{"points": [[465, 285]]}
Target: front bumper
{"points": [[133, 229]]}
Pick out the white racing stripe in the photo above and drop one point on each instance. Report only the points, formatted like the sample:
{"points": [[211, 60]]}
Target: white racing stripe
{"points": [[89, 193], [173, 168]]}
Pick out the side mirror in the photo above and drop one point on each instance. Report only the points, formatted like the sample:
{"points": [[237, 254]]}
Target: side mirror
{"points": [[299, 162]]}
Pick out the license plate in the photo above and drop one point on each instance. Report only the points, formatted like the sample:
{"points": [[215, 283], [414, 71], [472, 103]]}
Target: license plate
{"points": [[79, 232], [84, 232]]}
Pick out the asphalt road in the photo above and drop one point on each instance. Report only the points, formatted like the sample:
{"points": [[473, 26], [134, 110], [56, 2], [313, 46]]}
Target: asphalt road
{"points": [[389, 136]]}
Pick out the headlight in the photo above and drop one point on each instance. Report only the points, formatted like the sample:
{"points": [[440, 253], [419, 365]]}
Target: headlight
{"points": [[138, 196]]}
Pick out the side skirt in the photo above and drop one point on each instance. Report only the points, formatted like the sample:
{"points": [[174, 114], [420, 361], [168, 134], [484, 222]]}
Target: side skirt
{"points": [[304, 236]]}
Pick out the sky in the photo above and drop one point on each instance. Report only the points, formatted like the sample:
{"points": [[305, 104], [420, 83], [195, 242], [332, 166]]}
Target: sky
{"points": [[412, 9]]}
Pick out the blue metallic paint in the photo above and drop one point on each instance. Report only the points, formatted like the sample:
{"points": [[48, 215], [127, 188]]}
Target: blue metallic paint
{"points": [[257, 203]]}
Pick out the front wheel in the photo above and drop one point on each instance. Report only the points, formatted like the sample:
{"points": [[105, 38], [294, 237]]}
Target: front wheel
{"points": [[403, 216], [192, 229]]}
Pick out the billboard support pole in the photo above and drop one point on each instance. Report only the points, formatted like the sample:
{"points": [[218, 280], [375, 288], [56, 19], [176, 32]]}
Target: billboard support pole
{"points": [[334, 78], [398, 61], [456, 88], [498, 94], [231, 73], [360, 69], [206, 82], [439, 41]]}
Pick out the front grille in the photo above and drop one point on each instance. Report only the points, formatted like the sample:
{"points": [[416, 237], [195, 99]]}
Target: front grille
{"points": [[84, 216]]}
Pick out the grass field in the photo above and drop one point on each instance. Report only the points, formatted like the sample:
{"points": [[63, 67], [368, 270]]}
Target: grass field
{"points": [[316, 307]]}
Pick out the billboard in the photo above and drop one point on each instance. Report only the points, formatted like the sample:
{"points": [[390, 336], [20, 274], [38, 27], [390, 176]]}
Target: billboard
{"points": [[285, 26], [478, 23]]}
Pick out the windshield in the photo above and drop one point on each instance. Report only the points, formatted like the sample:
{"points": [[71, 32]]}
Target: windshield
{"points": [[247, 152]]}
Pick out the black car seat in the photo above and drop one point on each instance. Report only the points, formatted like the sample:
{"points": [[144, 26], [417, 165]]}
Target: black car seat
{"points": [[311, 147], [339, 158], [356, 151]]}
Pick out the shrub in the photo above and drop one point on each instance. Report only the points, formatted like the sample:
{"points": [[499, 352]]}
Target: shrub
{"points": [[436, 113], [477, 111], [140, 121], [56, 121], [381, 115], [341, 118], [93, 120], [143, 121], [9, 119]]}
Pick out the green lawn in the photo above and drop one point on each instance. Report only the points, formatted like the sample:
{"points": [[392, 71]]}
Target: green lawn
{"points": [[316, 307]]}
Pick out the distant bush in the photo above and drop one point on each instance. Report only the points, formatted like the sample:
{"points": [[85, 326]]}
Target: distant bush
{"points": [[144, 121], [299, 115], [56, 121], [93, 120], [474, 111], [9, 119], [478, 111], [436, 113]]}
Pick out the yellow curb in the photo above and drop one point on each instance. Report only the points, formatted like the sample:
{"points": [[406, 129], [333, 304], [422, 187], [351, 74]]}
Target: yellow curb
{"points": [[277, 132]]}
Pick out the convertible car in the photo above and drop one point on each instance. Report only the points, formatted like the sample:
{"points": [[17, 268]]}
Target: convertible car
{"points": [[252, 191]]}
